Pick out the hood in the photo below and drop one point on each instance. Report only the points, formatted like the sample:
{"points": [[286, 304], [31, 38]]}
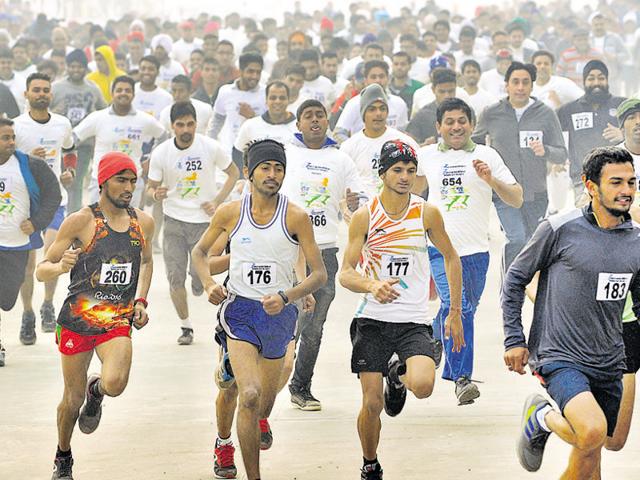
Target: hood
{"points": [[299, 142], [110, 57]]}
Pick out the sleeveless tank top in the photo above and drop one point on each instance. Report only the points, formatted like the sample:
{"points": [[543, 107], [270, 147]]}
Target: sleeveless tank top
{"points": [[397, 249], [105, 278], [262, 256]]}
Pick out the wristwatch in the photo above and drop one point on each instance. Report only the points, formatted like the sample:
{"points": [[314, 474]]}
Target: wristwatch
{"points": [[284, 297]]}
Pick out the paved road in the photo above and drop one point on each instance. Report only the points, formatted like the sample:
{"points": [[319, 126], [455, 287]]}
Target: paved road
{"points": [[163, 426]]}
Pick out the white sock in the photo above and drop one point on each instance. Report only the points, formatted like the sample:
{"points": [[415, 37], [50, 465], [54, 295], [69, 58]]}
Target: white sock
{"points": [[540, 417], [186, 323], [224, 441]]}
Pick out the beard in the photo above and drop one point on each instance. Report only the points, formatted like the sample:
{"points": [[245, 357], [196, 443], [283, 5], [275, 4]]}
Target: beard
{"points": [[118, 202], [597, 93]]}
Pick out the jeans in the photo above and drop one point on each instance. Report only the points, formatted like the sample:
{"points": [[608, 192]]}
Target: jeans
{"points": [[311, 326], [519, 224], [474, 274]]}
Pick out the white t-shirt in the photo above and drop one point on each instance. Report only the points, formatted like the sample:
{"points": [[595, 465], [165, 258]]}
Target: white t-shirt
{"points": [[493, 82], [420, 69], [190, 176], [151, 102], [317, 180], [14, 204], [424, 96], [17, 85], [320, 89], [566, 90], [227, 104], [167, 72], [53, 136], [349, 68], [181, 50], [204, 112], [365, 153], [480, 100], [338, 87], [351, 121], [257, 128], [463, 198], [116, 133]]}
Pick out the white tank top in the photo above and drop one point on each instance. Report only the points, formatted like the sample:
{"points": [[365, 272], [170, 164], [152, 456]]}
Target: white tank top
{"points": [[262, 256], [397, 249]]}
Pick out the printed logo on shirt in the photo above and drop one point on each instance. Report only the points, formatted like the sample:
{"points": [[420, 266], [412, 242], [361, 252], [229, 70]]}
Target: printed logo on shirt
{"points": [[315, 193]]}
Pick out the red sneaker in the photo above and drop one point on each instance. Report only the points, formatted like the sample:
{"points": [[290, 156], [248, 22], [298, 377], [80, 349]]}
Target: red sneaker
{"points": [[223, 465], [266, 436]]}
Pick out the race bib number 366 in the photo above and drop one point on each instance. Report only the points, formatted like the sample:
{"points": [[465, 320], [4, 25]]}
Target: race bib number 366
{"points": [[115, 274], [259, 273], [613, 286]]}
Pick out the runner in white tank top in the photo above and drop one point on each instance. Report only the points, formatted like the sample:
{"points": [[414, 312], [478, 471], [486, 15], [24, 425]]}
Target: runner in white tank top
{"points": [[257, 316], [389, 333]]}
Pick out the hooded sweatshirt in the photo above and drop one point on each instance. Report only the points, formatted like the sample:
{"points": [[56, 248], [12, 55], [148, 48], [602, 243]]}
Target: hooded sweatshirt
{"points": [[100, 79]]}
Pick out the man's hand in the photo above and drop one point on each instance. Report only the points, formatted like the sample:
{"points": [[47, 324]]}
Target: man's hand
{"points": [[69, 259], [27, 227], [308, 304], [245, 110], [39, 152], [558, 167], [483, 170], [66, 178], [516, 359], [140, 316], [453, 327], [353, 200], [383, 290], [272, 304], [612, 134], [160, 193], [144, 163], [209, 207], [216, 293], [537, 147]]}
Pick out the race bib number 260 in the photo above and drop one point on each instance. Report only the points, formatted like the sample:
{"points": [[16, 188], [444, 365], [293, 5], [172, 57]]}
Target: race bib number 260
{"points": [[115, 274], [613, 286]]}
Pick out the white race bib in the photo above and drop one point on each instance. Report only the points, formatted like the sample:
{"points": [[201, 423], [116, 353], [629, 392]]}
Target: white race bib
{"points": [[528, 136], [396, 266], [259, 273], [115, 274], [582, 120], [613, 286], [5, 185], [75, 114], [318, 218]]}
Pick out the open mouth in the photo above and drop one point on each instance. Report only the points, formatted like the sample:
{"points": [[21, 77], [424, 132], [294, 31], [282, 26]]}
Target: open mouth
{"points": [[315, 128]]}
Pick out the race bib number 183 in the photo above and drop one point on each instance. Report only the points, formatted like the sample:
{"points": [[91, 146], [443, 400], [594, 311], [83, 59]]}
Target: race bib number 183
{"points": [[613, 286]]}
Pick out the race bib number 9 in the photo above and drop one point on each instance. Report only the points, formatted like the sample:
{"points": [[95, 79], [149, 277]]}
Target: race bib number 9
{"points": [[582, 121], [397, 266], [528, 136], [115, 274], [259, 273], [613, 286], [5, 184]]}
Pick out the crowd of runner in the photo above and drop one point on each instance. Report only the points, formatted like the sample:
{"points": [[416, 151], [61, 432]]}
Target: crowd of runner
{"points": [[237, 146]]}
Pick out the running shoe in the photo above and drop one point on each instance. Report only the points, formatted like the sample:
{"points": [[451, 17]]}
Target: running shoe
{"points": [[92, 410], [466, 391], [2, 355], [62, 468], [224, 374], [266, 436], [533, 437], [28, 328], [223, 464], [187, 336], [437, 351], [395, 392], [304, 400], [48, 317], [371, 471]]}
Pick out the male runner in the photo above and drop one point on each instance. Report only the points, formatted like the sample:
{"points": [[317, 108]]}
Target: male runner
{"points": [[258, 320], [104, 246], [588, 261], [389, 331]]}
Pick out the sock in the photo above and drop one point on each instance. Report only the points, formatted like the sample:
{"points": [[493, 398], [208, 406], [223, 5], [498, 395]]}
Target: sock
{"points": [[224, 441], [60, 453], [540, 417], [94, 388], [186, 323], [369, 462]]}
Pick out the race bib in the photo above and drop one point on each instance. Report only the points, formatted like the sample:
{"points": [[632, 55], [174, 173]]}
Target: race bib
{"points": [[5, 184], [453, 194], [76, 114], [259, 273], [6, 201], [318, 218], [582, 120], [115, 274], [613, 286], [528, 136], [396, 266]]}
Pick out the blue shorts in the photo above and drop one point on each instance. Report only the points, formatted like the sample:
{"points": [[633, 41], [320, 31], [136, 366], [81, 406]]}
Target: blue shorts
{"points": [[58, 218], [564, 380], [245, 320]]}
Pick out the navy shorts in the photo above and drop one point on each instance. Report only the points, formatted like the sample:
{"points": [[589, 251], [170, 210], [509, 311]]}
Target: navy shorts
{"points": [[245, 320], [631, 337], [58, 218], [564, 380]]}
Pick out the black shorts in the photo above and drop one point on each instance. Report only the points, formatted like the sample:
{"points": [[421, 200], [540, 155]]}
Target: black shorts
{"points": [[12, 266], [631, 337], [374, 342]]}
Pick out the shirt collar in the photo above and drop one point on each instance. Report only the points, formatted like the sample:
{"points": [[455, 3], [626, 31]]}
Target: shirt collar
{"points": [[470, 146], [626, 224], [131, 112], [328, 142]]}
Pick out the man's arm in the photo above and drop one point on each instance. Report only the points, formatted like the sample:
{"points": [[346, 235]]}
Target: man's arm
{"points": [[232, 177], [509, 193], [140, 317], [50, 196], [219, 263], [217, 122], [555, 151], [61, 255]]}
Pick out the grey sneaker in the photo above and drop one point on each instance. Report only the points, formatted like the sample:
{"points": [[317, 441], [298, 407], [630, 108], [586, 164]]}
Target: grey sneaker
{"points": [[303, 400], [533, 438], [2, 354], [92, 410], [466, 391], [28, 328], [62, 468], [187, 337], [48, 317]]}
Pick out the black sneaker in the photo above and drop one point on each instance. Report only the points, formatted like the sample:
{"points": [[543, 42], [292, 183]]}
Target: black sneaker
{"points": [[2, 355], [466, 391], [395, 392], [437, 351], [62, 468], [187, 336], [48, 317], [371, 471], [304, 400], [92, 410], [28, 328]]}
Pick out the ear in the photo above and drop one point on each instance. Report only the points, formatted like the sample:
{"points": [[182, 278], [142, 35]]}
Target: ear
{"points": [[591, 186]]}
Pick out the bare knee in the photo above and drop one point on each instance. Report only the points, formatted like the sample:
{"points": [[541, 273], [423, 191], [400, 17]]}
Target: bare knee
{"points": [[250, 398], [372, 405], [228, 395], [615, 444], [591, 437], [114, 385], [72, 400], [421, 387]]}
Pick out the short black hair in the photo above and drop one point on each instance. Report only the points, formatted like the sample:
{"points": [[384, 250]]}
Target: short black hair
{"points": [[467, 31], [183, 80], [37, 76], [408, 37], [338, 43], [373, 46], [543, 53], [225, 42], [123, 79], [470, 63], [295, 69], [451, 104], [521, 66], [182, 109], [6, 122], [309, 55], [329, 54], [371, 64], [248, 58], [597, 158], [443, 75], [151, 59], [307, 104], [428, 33], [402, 54], [442, 23], [277, 84], [210, 61]]}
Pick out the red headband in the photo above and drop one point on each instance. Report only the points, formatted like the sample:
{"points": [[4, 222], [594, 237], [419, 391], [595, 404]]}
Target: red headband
{"points": [[112, 163]]}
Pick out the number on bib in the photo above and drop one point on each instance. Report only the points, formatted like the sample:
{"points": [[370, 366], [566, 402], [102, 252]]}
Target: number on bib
{"points": [[613, 286], [115, 274], [318, 219], [582, 121], [259, 273], [397, 266], [5, 185], [193, 165], [526, 137]]}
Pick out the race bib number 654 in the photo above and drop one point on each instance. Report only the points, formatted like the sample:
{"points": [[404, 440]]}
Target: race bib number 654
{"points": [[613, 286]]}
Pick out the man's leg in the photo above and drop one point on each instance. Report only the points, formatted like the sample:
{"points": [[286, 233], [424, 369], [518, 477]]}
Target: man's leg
{"points": [[27, 331], [420, 375], [194, 233], [77, 187], [115, 356], [621, 433], [513, 227], [533, 213], [49, 287], [74, 372], [47, 310], [369, 424]]}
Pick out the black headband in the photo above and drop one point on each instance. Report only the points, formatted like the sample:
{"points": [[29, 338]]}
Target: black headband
{"points": [[394, 151], [265, 151]]}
